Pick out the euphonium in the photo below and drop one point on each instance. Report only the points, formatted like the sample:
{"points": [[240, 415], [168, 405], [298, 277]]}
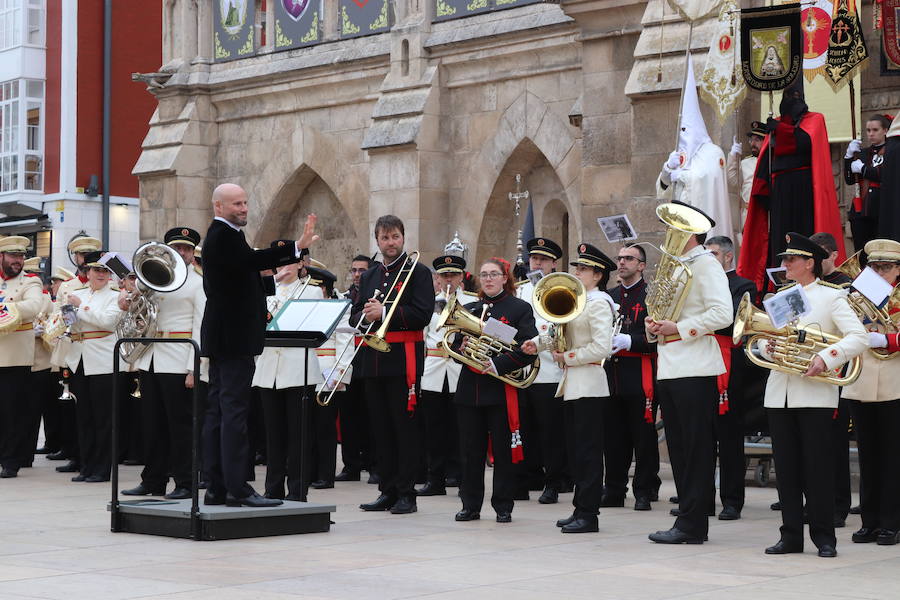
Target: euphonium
{"points": [[866, 310], [795, 347], [672, 282], [559, 298], [480, 347]]}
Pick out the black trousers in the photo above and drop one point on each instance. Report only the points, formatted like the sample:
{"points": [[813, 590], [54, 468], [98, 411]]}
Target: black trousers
{"points": [[802, 441], [94, 393], [584, 419], [225, 442], [39, 388], [863, 229], [442, 455], [877, 424], [730, 444], [166, 407], [543, 421], [131, 434], [476, 423], [15, 417], [324, 436], [396, 435], [281, 412], [356, 452], [627, 434], [841, 452], [68, 412], [689, 406], [46, 387]]}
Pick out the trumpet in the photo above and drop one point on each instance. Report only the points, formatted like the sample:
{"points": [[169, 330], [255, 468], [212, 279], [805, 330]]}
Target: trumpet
{"points": [[794, 347], [558, 299], [867, 311]]}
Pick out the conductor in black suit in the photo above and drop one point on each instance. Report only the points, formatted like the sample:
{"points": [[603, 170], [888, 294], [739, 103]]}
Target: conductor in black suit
{"points": [[232, 334]]}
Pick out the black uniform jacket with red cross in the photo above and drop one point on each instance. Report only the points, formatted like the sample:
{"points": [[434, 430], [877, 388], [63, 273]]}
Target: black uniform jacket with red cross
{"points": [[625, 371], [413, 313], [475, 389]]}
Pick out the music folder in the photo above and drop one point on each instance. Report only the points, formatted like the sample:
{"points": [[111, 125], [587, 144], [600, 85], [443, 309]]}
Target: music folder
{"points": [[305, 323]]}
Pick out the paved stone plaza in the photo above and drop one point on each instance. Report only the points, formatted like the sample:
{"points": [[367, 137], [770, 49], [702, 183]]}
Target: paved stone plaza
{"points": [[56, 543]]}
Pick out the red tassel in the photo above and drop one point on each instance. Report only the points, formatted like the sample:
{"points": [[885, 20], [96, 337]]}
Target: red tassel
{"points": [[835, 415], [648, 410]]}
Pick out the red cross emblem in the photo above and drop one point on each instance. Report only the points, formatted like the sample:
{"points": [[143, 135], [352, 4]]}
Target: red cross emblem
{"points": [[185, 232], [582, 248]]}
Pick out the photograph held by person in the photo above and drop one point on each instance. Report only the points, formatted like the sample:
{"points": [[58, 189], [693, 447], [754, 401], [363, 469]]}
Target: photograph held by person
{"points": [[862, 167], [232, 334], [487, 408]]}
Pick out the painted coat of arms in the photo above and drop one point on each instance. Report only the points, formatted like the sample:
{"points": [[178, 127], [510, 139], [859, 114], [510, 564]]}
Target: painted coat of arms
{"points": [[233, 14], [295, 8], [771, 54]]}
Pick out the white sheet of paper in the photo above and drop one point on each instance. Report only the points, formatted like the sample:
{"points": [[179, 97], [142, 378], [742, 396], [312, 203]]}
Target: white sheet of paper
{"points": [[787, 306], [500, 330], [617, 228], [871, 285], [309, 316]]}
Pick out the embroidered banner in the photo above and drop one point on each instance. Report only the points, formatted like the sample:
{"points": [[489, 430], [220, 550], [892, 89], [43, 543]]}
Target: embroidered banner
{"points": [[297, 23], [815, 21], [771, 53], [847, 52], [890, 35], [364, 17], [721, 84], [233, 29], [454, 9]]}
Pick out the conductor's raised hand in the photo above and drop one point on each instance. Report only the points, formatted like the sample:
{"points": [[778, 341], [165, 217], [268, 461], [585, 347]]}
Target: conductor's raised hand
{"points": [[309, 236]]}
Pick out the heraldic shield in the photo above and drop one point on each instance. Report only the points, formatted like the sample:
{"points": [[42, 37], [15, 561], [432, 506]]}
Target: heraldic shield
{"points": [[771, 46]]}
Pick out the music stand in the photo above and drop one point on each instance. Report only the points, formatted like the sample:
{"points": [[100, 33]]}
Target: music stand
{"points": [[305, 324]]}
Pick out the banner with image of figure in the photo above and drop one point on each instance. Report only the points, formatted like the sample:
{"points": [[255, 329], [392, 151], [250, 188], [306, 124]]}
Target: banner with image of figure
{"points": [[364, 17], [297, 23], [233, 29], [771, 52], [890, 37]]}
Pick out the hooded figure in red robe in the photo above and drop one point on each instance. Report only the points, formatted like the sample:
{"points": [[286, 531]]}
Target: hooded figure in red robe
{"points": [[793, 187]]}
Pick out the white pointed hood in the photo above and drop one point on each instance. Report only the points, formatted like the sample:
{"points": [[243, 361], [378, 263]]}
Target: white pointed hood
{"points": [[693, 129]]}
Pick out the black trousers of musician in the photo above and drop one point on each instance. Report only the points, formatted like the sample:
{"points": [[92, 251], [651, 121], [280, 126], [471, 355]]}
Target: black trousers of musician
{"points": [[281, 412], [15, 417], [544, 418], [256, 433], [396, 435], [877, 424], [37, 383], [131, 428], [46, 391], [625, 434], [730, 440], [68, 413], [476, 423], [689, 406], [442, 455], [225, 442], [802, 441], [166, 415], [356, 451], [863, 229], [584, 425], [841, 452], [94, 393], [324, 437]]}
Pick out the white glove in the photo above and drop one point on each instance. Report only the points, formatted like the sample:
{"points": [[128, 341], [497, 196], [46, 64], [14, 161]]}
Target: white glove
{"points": [[674, 161], [621, 341], [737, 147], [877, 340], [857, 166], [852, 148], [675, 175]]}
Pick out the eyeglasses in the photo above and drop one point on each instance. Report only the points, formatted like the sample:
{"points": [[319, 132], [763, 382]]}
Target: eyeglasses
{"points": [[628, 258], [491, 275]]}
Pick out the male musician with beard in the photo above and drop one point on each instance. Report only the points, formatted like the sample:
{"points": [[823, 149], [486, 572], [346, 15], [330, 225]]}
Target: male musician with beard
{"points": [[541, 413], [863, 166], [740, 171], [392, 378], [167, 379], [23, 293], [629, 420], [689, 364]]}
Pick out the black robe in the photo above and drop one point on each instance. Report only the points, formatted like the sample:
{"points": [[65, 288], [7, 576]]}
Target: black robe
{"points": [[889, 205]]}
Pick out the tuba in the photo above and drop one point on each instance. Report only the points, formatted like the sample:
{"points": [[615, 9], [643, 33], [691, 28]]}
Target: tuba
{"points": [[480, 347], [159, 269], [867, 311], [559, 298], [795, 347], [667, 293]]}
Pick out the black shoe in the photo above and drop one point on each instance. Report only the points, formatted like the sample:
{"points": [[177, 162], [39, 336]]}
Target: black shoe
{"points": [[431, 489], [202, 485], [259, 459], [69, 467], [321, 485], [586, 524], [865, 535], [674, 536], [347, 476], [96, 479], [452, 482], [467, 515], [44, 450], [566, 521], [888, 537], [549, 496], [673, 499], [131, 462], [827, 551], [293, 498], [8, 473], [79, 478], [504, 517], [374, 479], [144, 490], [607, 501], [381, 503], [839, 521], [654, 497], [729, 513], [775, 506], [783, 548], [211, 498], [179, 493], [58, 455], [254, 500], [675, 512], [522, 496], [642, 504], [404, 506], [855, 510]]}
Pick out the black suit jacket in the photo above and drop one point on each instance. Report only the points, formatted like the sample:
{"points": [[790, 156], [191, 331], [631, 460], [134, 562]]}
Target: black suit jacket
{"points": [[234, 321], [624, 372], [737, 285]]}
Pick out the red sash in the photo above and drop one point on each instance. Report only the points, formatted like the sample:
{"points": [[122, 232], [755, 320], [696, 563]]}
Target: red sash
{"points": [[512, 416], [646, 380], [725, 345], [408, 339]]}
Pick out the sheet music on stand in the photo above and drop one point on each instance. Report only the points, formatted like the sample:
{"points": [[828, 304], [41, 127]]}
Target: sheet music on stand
{"points": [[305, 323]]}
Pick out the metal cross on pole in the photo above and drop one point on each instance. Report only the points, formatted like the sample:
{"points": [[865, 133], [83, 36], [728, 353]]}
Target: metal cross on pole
{"points": [[519, 194]]}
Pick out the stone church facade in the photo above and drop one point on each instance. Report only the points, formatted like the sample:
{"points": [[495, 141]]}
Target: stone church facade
{"points": [[431, 121]]}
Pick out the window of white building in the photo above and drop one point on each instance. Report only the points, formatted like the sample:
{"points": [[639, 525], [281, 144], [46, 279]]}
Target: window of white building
{"points": [[21, 23], [21, 135]]}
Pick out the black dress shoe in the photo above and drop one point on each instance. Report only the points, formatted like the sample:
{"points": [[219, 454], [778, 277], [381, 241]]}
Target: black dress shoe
{"points": [[58, 455], [96, 479], [381, 503], [69, 467], [211, 498], [322, 485], [8, 473], [673, 499], [467, 515], [259, 459], [642, 504], [374, 479], [431, 489], [865, 535], [888, 537], [202, 485], [523, 496], [131, 462], [675, 512], [404, 506], [347, 476], [566, 521], [144, 490], [729, 513], [839, 521], [44, 450], [79, 478], [504, 517], [584, 524], [855, 510], [549, 496], [452, 482], [827, 551], [775, 505], [254, 500], [784, 548], [179, 493], [674, 536]]}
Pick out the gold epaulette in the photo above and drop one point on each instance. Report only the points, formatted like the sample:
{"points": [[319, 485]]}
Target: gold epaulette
{"points": [[468, 293], [198, 270], [787, 286], [833, 285]]}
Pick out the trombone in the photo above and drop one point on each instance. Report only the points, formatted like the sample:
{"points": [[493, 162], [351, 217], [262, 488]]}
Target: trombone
{"points": [[376, 340]]}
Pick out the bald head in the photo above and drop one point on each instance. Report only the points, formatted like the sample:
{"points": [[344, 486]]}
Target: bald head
{"points": [[230, 203]]}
